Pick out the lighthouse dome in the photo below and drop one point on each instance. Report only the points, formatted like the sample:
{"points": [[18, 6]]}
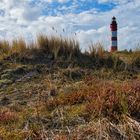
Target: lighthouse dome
{"points": [[113, 18]]}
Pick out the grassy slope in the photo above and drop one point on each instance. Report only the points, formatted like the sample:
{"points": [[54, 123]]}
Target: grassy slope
{"points": [[53, 90]]}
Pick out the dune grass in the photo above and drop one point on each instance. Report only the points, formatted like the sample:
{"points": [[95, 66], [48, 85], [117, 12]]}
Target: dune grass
{"points": [[52, 45], [50, 89], [57, 48]]}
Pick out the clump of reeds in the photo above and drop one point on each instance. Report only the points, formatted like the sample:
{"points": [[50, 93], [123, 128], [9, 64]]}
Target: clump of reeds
{"points": [[58, 46], [4, 48], [96, 49], [50, 45]]}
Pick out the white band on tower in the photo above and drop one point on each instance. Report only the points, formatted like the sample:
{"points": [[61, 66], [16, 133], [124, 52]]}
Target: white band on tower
{"points": [[114, 43], [114, 33]]}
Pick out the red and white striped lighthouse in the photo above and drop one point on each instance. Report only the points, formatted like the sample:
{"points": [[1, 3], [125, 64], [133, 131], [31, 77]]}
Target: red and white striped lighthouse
{"points": [[114, 43]]}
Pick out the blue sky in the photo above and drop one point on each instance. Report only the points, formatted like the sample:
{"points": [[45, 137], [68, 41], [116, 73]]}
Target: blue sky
{"points": [[85, 20], [70, 6]]}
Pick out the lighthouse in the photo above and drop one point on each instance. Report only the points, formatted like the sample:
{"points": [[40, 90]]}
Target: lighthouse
{"points": [[113, 27]]}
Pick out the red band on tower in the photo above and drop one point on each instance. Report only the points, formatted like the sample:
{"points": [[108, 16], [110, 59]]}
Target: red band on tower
{"points": [[113, 38]]}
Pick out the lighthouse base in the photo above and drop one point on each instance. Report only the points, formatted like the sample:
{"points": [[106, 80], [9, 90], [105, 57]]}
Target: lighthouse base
{"points": [[114, 49]]}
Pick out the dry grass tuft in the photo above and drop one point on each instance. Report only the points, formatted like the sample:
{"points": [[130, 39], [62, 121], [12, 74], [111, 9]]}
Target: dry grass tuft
{"points": [[58, 46], [97, 49]]}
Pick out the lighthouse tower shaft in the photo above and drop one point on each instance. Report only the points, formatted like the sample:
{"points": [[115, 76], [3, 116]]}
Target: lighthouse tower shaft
{"points": [[114, 40]]}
